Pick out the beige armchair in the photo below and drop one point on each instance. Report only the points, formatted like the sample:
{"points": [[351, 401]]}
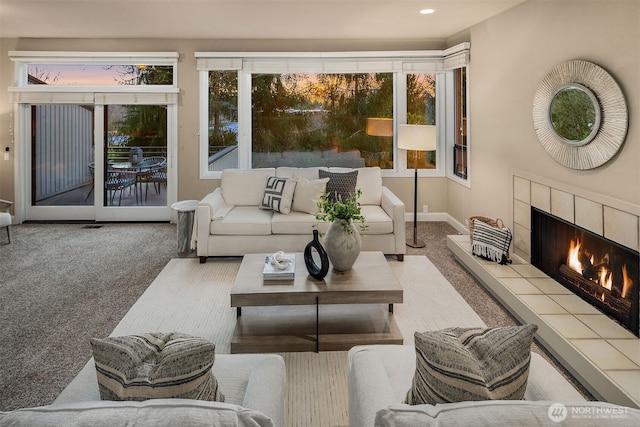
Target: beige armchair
{"points": [[5, 216]]}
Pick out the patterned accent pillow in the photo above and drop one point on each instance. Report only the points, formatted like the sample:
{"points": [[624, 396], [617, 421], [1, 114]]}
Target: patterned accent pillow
{"points": [[278, 194], [155, 366], [461, 364], [341, 185]]}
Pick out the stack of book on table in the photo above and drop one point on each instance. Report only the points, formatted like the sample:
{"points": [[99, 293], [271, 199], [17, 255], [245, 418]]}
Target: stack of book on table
{"points": [[272, 272]]}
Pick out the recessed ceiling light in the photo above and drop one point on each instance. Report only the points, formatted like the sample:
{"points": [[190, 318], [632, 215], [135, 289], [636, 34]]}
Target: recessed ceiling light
{"points": [[426, 11]]}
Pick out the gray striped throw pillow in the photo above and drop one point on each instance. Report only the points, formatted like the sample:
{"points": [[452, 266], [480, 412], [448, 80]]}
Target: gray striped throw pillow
{"points": [[462, 364], [155, 366]]}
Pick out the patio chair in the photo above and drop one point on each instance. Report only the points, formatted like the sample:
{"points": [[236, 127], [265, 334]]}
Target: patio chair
{"points": [[5, 217], [120, 180], [158, 177], [147, 168]]}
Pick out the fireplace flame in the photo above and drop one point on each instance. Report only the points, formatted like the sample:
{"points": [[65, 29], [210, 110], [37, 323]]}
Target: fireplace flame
{"points": [[573, 259], [600, 274], [605, 278], [626, 281]]}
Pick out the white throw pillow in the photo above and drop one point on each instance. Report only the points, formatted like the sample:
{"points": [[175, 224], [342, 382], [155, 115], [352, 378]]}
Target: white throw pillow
{"points": [[244, 187], [307, 194], [278, 194]]}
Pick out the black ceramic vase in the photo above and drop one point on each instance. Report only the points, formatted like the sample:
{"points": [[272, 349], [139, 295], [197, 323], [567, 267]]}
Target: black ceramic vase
{"points": [[316, 271]]}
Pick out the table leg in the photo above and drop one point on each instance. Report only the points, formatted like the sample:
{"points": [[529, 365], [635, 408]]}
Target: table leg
{"points": [[317, 326], [391, 308], [238, 311]]}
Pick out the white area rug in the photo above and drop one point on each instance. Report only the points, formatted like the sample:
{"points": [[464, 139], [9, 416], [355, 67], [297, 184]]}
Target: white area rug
{"points": [[194, 298]]}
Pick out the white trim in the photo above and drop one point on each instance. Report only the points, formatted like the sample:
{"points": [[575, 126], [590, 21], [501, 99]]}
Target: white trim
{"points": [[23, 58], [450, 136], [335, 62], [218, 64], [137, 98], [332, 55], [89, 57], [244, 120]]}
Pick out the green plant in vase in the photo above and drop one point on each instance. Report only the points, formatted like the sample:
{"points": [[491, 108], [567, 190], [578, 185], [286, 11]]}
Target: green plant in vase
{"points": [[342, 239], [347, 210]]}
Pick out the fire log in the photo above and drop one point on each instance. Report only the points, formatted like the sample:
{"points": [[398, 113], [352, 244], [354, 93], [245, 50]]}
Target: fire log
{"points": [[613, 302]]}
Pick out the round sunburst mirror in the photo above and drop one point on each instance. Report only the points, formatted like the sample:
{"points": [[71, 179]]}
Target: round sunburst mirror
{"points": [[580, 115]]}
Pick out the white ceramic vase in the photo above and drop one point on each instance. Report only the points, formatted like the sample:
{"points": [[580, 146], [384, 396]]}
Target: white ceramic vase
{"points": [[342, 248]]}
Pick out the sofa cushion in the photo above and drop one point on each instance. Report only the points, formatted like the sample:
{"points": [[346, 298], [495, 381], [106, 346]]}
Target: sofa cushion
{"points": [[307, 194], [244, 221], [458, 364], [508, 413], [155, 412], [369, 182], [341, 185], [297, 223], [244, 187], [154, 366], [376, 220], [291, 172], [278, 194]]}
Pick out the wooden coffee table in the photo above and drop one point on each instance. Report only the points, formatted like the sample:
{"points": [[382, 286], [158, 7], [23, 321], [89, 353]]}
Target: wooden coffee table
{"points": [[345, 309]]}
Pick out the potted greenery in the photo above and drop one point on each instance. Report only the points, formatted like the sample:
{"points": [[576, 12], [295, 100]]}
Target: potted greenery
{"points": [[342, 240]]}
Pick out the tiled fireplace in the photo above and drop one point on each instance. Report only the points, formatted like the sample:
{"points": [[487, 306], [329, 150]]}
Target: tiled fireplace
{"points": [[598, 350], [598, 270]]}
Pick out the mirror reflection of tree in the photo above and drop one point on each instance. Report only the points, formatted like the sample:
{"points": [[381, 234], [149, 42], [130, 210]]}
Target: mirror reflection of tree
{"points": [[573, 114]]}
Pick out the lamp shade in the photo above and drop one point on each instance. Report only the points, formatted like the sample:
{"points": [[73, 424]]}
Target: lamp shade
{"points": [[417, 137], [378, 126]]}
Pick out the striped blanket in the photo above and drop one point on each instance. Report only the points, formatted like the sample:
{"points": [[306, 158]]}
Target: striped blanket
{"points": [[491, 242]]}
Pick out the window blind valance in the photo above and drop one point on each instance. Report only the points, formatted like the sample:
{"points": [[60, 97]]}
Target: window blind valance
{"points": [[159, 98], [456, 60], [333, 62], [49, 97], [25, 96]]}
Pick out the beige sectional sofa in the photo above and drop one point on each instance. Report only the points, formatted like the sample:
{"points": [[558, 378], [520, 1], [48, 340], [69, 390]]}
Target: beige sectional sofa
{"points": [[230, 222]]}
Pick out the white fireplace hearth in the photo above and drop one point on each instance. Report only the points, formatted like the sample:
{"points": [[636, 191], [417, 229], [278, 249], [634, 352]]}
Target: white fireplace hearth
{"points": [[602, 354]]}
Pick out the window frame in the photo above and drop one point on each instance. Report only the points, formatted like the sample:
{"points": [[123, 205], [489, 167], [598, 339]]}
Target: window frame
{"points": [[400, 63], [23, 95], [452, 130]]}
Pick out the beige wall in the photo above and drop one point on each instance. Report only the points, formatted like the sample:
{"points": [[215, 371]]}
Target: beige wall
{"points": [[510, 55], [6, 121]]}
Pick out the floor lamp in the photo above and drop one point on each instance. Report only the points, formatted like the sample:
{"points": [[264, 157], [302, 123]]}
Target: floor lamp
{"points": [[416, 138]]}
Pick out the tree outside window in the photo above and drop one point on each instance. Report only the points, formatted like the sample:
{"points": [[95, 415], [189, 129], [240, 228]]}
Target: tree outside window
{"points": [[320, 119], [421, 110]]}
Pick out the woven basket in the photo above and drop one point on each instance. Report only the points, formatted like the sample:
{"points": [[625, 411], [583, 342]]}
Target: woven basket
{"points": [[492, 222]]}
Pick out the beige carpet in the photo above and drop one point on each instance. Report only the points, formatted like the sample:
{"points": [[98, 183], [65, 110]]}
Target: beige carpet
{"points": [[194, 298]]}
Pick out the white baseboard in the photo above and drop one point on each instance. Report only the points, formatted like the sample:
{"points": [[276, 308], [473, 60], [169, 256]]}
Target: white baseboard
{"points": [[438, 216]]}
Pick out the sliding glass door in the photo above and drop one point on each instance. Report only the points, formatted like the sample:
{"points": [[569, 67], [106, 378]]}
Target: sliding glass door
{"points": [[99, 162]]}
